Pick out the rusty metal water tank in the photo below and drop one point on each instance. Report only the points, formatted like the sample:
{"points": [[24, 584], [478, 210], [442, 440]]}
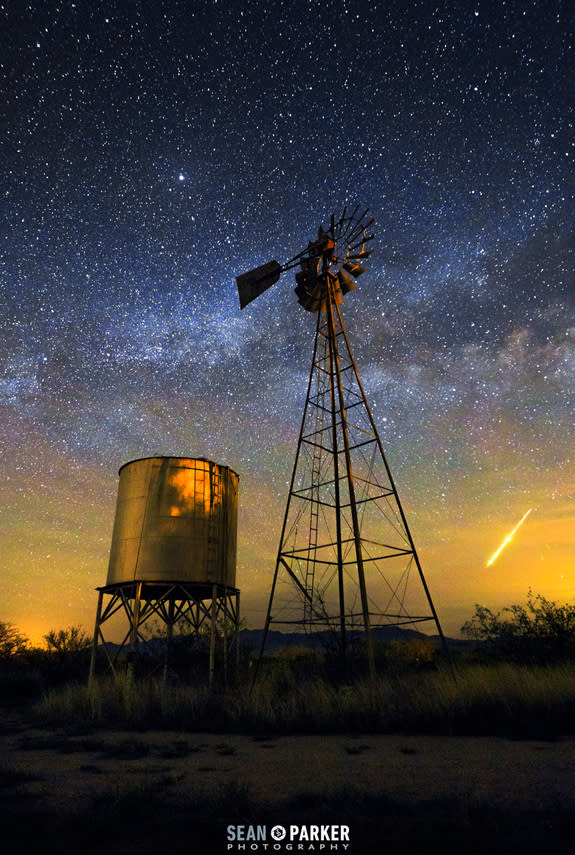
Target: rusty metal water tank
{"points": [[176, 521]]}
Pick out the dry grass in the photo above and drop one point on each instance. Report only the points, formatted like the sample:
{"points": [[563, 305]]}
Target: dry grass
{"points": [[499, 700]]}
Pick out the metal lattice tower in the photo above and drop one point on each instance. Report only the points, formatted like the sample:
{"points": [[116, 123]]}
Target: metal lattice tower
{"points": [[346, 563]]}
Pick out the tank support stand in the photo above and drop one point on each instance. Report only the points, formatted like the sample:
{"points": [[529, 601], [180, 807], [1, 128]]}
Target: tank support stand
{"points": [[206, 613]]}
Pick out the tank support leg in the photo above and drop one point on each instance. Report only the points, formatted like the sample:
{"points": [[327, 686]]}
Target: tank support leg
{"points": [[134, 628], [95, 639], [226, 605], [213, 635], [237, 630], [169, 637]]}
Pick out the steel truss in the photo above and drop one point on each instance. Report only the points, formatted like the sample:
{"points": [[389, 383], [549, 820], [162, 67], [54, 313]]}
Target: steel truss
{"points": [[201, 606], [346, 562]]}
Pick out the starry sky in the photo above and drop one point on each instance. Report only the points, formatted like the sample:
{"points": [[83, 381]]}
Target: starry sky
{"points": [[152, 151]]}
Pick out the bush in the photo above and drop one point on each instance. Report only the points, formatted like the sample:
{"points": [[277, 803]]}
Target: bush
{"points": [[12, 642], [67, 643], [413, 654], [536, 633]]}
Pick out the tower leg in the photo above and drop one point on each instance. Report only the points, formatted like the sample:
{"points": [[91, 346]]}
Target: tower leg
{"points": [[334, 404], [336, 373], [399, 505]]}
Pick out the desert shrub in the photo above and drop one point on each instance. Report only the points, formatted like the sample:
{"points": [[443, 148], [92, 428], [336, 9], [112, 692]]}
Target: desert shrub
{"points": [[67, 655], [12, 643], [414, 653], [299, 653], [539, 632], [67, 643], [20, 679]]}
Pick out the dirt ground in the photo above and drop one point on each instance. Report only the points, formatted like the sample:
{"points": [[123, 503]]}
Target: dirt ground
{"points": [[97, 791]]}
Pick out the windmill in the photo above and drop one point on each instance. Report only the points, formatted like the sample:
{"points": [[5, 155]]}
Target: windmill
{"points": [[346, 563]]}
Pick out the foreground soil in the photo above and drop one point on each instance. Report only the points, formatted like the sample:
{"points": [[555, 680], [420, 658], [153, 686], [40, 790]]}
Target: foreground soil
{"points": [[110, 791]]}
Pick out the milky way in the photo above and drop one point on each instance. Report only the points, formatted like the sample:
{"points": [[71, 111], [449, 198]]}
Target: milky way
{"points": [[151, 152]]}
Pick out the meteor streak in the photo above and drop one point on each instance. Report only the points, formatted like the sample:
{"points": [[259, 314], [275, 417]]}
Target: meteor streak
{"points": [[508, 538]]}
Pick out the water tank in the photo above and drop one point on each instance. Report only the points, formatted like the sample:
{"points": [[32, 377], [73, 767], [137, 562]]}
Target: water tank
{"points": [[176, 521]]}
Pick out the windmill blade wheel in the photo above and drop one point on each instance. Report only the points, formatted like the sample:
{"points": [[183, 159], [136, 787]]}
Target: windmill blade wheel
{"points": [[336, 251]]}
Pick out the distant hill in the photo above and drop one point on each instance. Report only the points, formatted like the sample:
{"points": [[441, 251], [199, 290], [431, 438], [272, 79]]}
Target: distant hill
{"points": [[251, 639]]}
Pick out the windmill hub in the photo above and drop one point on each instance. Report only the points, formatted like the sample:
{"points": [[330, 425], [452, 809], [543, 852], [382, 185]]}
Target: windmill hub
{"points": [[342, 245]]}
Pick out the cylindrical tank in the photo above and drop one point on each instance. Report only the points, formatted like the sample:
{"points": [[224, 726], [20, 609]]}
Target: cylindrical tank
{"points": [[176, 521]]}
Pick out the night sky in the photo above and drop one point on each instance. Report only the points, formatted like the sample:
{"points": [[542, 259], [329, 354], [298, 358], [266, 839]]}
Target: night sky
{"points": [[152, 151]]}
